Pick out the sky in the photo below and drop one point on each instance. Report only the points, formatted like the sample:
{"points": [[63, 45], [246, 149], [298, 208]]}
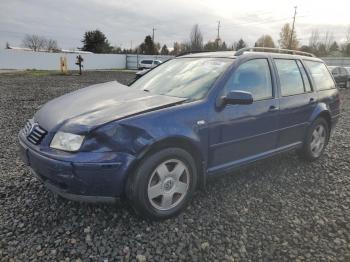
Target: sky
{"points": [[126, 23]]}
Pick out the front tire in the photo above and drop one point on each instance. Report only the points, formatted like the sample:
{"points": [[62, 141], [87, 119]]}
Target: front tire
{"points": [[316, 140], [163, 184]]}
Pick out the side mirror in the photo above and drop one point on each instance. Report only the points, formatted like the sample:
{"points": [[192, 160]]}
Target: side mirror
{"points": [[237, 98]]}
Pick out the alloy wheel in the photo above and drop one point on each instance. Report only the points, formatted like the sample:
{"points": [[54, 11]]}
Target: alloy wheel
{"points": [[168, 184], [318, 140]]}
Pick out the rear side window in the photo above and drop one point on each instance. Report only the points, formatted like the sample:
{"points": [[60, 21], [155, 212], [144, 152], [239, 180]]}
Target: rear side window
{"points": [[147, 62], [252, 76], [306, 80], [291, 81], [320, 75]]}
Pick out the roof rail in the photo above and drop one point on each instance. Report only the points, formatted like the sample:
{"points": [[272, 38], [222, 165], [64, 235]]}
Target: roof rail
{"points": [[272, 50]]}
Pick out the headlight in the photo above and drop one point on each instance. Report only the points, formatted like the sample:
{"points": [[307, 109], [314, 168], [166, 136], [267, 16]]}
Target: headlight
{"points": [[66, 141]]}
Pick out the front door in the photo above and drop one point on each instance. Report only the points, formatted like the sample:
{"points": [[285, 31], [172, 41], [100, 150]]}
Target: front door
{"points": [[241, 133]]}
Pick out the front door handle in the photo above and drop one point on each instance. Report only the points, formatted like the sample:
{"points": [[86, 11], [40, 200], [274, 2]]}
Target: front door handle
{"points": [[273, 108]]}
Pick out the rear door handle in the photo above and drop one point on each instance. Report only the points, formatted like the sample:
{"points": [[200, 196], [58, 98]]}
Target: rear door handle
{"points": [[273, 108]]}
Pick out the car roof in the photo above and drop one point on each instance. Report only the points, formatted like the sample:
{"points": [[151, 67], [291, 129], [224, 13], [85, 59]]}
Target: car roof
{"points": [[232, 54], [218, 54]]}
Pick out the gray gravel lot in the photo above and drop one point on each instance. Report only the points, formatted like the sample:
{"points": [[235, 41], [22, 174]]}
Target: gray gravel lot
{"points": [[280, 209]]}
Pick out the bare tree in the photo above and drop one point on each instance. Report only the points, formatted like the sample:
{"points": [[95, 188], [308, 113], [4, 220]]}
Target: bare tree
{"points": [[196, 39], [347, 37], [51, 45], [34, 42], [285, 40], [37, 43], [265, 41], [314, 40], [328, 39]]}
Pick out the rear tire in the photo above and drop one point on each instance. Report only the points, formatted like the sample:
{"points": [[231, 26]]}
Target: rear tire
{"points": [[316, 140], [162, 184]]}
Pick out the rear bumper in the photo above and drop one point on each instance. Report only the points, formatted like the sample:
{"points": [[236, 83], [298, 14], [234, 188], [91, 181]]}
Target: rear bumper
{"points": [[93, 181]]}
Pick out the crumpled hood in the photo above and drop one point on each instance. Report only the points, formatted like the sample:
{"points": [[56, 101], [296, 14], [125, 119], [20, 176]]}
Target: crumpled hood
{"points": [[92, 106]]}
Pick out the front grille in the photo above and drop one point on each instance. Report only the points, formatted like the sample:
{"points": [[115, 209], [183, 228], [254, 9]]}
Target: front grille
{"points": [[34, 132]]}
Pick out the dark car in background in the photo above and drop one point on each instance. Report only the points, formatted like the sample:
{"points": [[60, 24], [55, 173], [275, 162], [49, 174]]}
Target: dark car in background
{"points": [[348, 69], [193, 117], [341, 75]]}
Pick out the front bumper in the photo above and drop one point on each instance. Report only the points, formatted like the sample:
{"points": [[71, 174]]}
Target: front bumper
{"points": [[101, 179]]}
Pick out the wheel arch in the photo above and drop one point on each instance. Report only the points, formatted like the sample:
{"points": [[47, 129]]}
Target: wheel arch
{"points": [[322, 110], [184, 143]]}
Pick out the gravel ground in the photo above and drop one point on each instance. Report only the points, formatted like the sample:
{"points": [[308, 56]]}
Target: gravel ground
{"points": [[277, 210]]}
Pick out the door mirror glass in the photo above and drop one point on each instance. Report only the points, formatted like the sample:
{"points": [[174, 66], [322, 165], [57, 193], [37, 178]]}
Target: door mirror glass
{"points": [[238, 97]]}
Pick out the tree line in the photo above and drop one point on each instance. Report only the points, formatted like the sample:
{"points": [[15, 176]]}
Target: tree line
{"points": [[321, 44]]}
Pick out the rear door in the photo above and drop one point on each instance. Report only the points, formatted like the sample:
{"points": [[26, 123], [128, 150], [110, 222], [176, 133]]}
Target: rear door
{"points": [[297, 101]]}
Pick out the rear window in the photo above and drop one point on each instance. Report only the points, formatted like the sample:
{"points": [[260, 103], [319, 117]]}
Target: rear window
{"points": [[146, 62], [320, 75]]}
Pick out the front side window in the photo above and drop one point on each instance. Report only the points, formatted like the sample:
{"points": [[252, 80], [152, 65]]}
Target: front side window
{"points": [[183, 77], [252, 76], [320, 75], [146, 62], [291, 81]]}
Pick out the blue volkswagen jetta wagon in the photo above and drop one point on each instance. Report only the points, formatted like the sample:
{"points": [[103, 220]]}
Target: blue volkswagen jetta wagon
{"points": [[159, 139]]}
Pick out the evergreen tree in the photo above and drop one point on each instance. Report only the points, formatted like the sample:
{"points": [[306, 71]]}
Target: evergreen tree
{"points": [[96, 42], [148, 47], [164, 50]]}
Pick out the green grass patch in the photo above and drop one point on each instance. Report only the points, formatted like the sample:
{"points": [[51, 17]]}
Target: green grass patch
{"points": [[41, 73]]}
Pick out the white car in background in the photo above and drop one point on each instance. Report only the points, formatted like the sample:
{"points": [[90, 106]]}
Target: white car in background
{"points": [[148, 63]]}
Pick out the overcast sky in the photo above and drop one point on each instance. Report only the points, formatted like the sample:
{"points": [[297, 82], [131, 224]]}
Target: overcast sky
{"points": [[131, 20]]}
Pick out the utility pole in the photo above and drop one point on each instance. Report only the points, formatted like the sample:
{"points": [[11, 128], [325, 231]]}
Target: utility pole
{"points": [[153, 29], [218, 37], [218, 30], [291, 34]]}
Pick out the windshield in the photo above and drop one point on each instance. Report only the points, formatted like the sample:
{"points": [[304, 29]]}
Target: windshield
{"points": [[183, 77]]}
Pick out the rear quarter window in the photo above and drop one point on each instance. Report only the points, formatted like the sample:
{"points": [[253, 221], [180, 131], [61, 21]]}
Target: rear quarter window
{"points": [[320, 74]]}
